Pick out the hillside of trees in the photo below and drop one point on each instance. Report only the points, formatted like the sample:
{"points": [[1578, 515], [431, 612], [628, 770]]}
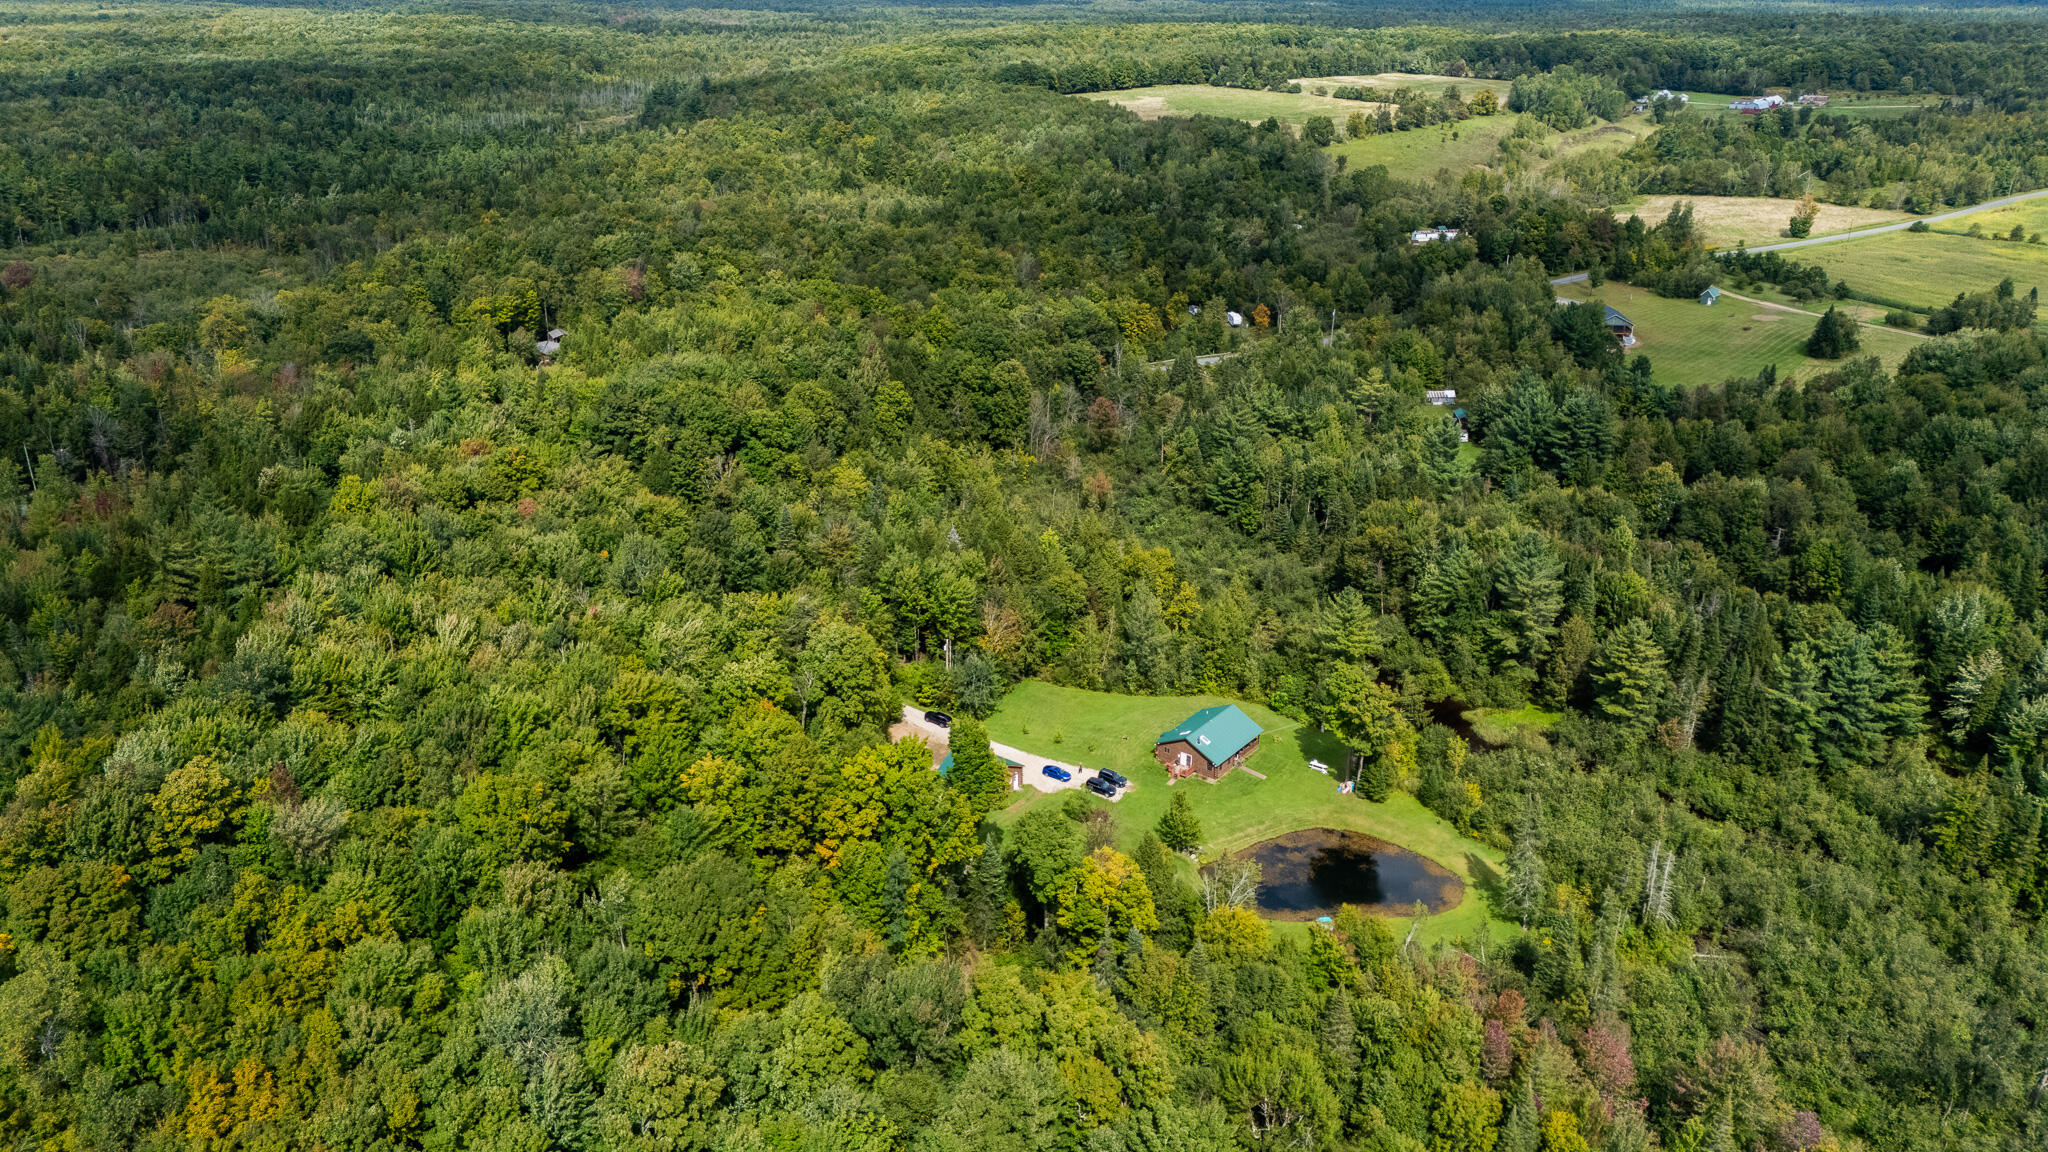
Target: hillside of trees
{"points": [[410, 741]]}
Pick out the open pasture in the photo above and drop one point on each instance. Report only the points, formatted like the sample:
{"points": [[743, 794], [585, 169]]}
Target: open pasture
{"points": [[1234, 103], [1691, 344], [1422, 151], [1927, 269], [1467, 86], [1733, 221]]}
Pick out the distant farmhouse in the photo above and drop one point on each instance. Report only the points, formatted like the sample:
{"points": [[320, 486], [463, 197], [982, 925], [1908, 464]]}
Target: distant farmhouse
{"points": [[1440, 396], [1430, 235], [1756, 104], [1643, 103], [1815, 99], [1209, 743]]}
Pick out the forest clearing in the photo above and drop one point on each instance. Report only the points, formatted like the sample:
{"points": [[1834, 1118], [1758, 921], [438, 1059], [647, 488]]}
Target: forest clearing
{"points": [[1291, 108], [1690, 344], [1109, 730]]}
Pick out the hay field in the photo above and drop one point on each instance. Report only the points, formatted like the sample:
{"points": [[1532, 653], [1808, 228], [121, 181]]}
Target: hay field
{"points": [[1233, 103], [1730, 221]]}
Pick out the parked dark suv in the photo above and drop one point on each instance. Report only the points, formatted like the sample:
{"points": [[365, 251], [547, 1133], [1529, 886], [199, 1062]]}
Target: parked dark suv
{"points": [[939, 718], [1116, 778], [1101, 787]]}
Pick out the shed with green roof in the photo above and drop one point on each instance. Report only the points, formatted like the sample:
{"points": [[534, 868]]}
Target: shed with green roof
{"points": [[1209, 743]]}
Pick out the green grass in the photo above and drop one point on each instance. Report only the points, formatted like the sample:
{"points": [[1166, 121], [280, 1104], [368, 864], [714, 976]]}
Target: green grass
{"points": [[1463, 144], [1101, 730], [1513, 726], [1860, 105], [1611, 139], [2029, 214], [1691, 344], [1233, 103], [1927, 269], [1388, 82]]}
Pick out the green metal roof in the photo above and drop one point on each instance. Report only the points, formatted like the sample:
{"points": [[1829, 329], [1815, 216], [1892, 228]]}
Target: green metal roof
{"points": [[946, 765], [1220, 732], [1616, 320]]}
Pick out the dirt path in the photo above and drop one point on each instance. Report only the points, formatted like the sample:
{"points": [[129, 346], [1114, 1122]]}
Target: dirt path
{"points": [[1816, 315]]}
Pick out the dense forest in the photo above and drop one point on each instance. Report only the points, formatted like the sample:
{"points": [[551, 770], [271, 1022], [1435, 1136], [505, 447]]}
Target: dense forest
{"points": [[411, 737]]}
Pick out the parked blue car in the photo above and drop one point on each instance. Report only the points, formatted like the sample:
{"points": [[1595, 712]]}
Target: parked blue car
{"points": [[1057, 772]]}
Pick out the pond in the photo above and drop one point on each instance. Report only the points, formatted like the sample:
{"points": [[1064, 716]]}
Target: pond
{"points": [[1315, 871]]}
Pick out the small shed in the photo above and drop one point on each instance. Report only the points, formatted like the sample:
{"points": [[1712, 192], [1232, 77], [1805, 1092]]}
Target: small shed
{"points": [[1234, 319], [1209, 743], [1710, 296], [1623, 328], [1016, 770]]}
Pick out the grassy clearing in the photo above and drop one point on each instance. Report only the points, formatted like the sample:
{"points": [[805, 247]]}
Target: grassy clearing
{"points": [[1691, 344], [1422, 82], [1232, 103], [2029, 214], [1107, 731], [1732, 221], [1609, 139], [1926, 269], [1464, 144], [1513, 727]]}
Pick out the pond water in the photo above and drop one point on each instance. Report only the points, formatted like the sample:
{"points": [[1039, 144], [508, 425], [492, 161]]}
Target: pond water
{"points": [[1315, 871], [1451, 714]]}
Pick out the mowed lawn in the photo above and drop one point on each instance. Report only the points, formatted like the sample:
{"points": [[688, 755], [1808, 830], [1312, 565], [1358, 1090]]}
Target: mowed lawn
{"points": [[1689, 343], [1926, 269], [1733, 221], [1232, 103], [1102, 730]]}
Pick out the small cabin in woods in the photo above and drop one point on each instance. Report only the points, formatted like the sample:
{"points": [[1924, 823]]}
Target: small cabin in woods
{"points": [[1209, 743]]}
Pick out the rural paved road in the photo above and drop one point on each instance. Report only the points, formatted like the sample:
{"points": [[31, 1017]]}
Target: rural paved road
{"points": [[1901, 226]]}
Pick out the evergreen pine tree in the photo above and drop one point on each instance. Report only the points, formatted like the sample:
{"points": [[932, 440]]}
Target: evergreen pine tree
{"points": [[1440, 461], [1179, 829], [1629, 675], [1834, 336], [1376, 778], [896, 901], [976, 775], [1522, 1131], [1525, 877], [988, 887], [1901, 704]]}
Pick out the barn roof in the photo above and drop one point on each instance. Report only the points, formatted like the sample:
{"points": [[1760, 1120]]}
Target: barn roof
{"points": [[1617, 320], [1220, 732]]}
